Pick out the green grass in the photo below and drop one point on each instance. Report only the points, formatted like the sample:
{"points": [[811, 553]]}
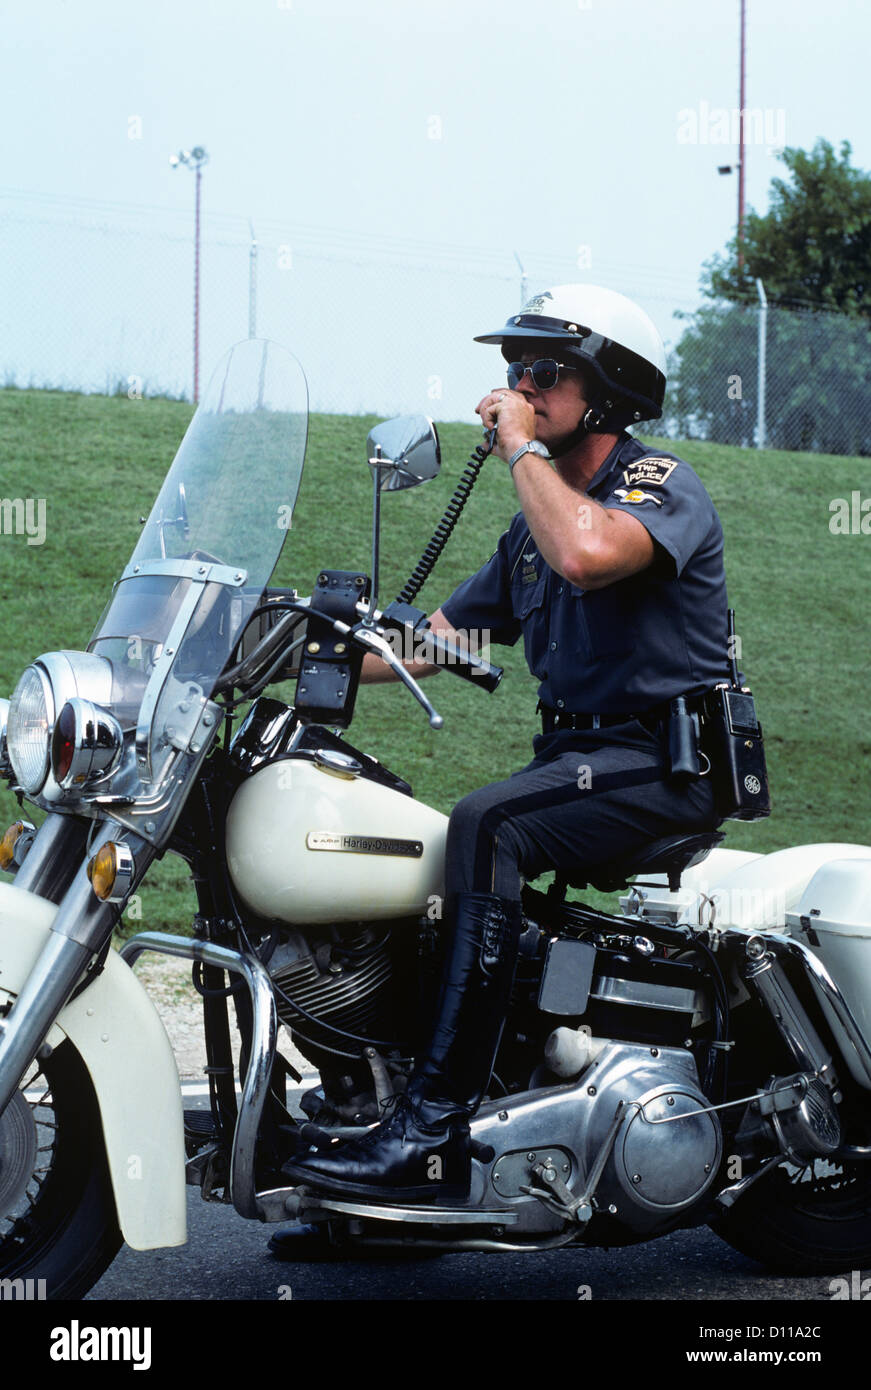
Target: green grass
{"points": [[800, 593]]}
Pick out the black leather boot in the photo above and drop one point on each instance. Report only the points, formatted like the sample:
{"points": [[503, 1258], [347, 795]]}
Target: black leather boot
{"points": [[421, 1151]]}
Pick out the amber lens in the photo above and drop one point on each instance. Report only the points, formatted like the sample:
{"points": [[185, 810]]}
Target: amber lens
{"points": [[7, 844], [102, 871]]}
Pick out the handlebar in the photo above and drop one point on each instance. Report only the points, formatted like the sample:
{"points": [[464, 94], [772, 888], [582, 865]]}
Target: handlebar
{"points": [[270, 653], [441, 651]]}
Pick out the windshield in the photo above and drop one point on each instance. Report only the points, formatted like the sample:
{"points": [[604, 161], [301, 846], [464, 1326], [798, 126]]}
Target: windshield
{"points": [[212, 539]]}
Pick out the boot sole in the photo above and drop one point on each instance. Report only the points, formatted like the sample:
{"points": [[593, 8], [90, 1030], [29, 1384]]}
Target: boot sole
{"points": [[389, 1196]]}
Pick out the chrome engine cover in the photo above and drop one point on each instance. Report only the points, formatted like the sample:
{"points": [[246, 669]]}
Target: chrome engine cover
{"points": [[658, 1164]]}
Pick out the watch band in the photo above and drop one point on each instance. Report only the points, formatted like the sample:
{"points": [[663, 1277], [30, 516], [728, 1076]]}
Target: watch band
{"points": [[532, 447]]}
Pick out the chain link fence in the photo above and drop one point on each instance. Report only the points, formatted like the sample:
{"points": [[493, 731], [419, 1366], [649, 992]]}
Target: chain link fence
{"points": [[771, 378], [101, 301]]}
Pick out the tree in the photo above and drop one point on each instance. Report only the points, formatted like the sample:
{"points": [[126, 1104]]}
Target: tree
{"points": [[812, 251]]}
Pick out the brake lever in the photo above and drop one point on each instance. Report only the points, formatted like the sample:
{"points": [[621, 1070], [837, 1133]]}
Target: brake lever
{"points": [[368, 638]]}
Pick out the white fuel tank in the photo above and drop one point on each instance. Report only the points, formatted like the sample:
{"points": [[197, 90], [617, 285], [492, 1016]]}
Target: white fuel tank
{"points": [[307, 842]]}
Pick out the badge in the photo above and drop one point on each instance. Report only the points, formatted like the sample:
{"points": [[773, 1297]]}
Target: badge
{"points": [[652, 472], [529, 574], [537, 305], [636, 495]]}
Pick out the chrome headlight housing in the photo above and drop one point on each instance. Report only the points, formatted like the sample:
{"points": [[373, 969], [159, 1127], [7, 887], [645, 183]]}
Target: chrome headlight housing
{"points": [[41, 693], [86, 745], [5, 765]]}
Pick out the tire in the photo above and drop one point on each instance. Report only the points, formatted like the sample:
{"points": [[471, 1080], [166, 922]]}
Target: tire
{"points": [[815, 1220], [57, 1213]]}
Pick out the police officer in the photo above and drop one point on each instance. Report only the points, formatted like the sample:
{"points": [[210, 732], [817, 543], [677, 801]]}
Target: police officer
{"points": [[612, 572]]}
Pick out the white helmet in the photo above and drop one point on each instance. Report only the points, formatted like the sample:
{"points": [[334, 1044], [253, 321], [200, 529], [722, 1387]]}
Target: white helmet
{"points": [[605, 332]]}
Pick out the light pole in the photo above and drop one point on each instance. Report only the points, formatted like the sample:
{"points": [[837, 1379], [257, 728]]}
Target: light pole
{"points": [[742, 97], [740, 164], [194, 159]]}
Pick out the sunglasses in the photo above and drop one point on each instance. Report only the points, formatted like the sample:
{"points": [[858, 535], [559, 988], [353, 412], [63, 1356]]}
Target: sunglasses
{"points": [[545, 373]]}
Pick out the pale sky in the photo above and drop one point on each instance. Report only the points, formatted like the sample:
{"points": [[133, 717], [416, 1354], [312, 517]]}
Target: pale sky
{"points": [[392, 158]]}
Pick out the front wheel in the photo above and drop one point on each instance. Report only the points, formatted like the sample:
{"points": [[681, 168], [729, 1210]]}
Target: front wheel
{"points": [[58, 1226], [813, 1220]]}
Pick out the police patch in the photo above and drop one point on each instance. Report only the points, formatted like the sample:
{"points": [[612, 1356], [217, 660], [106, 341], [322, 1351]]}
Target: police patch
{"points": [[635, 494], [653, 472]]}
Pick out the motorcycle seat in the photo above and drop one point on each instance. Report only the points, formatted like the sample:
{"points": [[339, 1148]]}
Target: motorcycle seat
{"points": [[669, 856]]}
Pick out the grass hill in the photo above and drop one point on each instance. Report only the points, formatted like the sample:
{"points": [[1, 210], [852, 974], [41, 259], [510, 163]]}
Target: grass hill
{"points": [[799, 590]]}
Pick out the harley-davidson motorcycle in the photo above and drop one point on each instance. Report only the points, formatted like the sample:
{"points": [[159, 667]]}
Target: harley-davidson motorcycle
{"points": [[701, 1057]]}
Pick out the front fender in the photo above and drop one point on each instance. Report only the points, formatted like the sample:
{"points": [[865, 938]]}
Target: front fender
{"points": [[115, 1028]]}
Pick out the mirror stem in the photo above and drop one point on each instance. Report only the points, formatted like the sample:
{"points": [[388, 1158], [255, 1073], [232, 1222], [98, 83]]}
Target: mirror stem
{"points": [[376, 523]]}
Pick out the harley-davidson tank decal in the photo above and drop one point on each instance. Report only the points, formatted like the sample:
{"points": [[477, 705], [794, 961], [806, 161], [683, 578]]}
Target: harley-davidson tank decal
{"points": [[363, 844]]}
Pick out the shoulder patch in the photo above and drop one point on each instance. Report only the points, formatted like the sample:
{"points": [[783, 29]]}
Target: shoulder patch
{"points": [[636, 495], [652, 471]]}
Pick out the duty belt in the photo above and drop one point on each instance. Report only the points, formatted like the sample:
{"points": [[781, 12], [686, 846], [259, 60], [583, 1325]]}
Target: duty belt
{"points": [[553, 720]]}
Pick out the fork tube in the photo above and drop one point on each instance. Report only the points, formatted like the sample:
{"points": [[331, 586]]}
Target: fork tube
{"points": [[52, 859]]}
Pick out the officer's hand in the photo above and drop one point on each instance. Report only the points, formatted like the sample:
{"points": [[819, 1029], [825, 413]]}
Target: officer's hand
{"points": [[514, 417]]}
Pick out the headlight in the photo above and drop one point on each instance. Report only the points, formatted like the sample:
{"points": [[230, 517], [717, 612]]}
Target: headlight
{"points": [[45, 688], [31, 716]]}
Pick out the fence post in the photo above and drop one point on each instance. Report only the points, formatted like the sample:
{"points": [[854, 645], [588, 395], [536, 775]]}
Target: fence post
{"points": [[760, 383], [252, 284]]}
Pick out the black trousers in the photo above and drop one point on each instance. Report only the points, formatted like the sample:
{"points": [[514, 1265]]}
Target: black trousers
{"points": [[586, 798]]}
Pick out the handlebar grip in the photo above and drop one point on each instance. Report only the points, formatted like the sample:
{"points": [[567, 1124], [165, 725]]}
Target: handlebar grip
{"points": [[454, 658]]}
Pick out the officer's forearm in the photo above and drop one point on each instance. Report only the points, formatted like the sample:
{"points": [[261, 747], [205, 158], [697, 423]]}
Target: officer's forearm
{"points": [[566, 524], [588, 544]]}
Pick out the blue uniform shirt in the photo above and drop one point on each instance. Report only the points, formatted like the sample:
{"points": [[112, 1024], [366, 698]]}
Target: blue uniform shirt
{"points": [[633, 644]]}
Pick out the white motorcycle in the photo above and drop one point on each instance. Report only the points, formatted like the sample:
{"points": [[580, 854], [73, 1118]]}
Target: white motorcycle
{"points": [[702, 1058]]}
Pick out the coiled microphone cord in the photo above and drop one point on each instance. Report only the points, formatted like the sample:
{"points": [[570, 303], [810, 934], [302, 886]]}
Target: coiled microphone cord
{"points": [[442, 533]]}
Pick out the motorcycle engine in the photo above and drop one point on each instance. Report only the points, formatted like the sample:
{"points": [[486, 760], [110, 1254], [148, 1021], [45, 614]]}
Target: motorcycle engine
{"points": [[668, 1148], [330, 982], [635, 1114]]}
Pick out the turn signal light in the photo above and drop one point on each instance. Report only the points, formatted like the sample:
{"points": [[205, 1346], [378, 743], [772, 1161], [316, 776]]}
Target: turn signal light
{"points": [[110, 871], [7, 844]]}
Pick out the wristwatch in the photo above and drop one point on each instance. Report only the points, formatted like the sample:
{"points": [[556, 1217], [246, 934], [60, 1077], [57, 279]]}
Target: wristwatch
{"points": [[533, 447]]}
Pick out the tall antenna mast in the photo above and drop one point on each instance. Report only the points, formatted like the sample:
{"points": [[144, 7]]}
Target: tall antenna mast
{"points": [[742, 101]]}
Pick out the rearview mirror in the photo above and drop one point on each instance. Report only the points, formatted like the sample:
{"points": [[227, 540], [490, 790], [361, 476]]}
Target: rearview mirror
{"points": [[404, 452]]}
